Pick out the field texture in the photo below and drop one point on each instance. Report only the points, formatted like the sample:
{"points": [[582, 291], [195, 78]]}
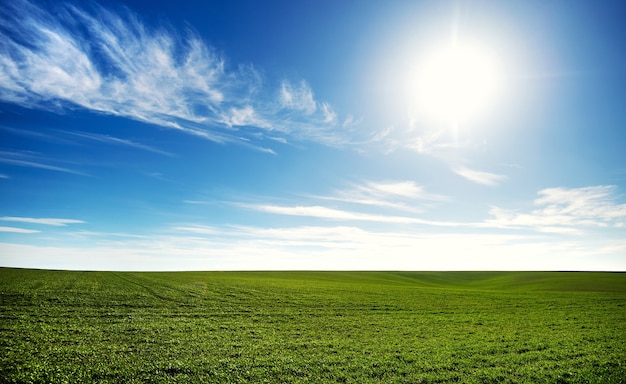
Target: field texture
{"points": [[284, 327]]}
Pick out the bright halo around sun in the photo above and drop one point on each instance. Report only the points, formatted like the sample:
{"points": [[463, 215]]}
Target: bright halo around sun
{"points": [[455, 85]]}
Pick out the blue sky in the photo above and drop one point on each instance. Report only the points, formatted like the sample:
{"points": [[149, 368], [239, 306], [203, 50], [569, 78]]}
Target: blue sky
{"points": [[238, 135]]}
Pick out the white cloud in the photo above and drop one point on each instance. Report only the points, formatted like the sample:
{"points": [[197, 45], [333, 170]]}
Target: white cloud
{"points": [[117, 141], [17, 230], [321, 212], [401, 195], [244, 116], [594, 202], [141, 79], [198, 229], [560, 210], [33, 164], [60, 56], [400, 188], [330, 117], [566, 210], [31, 160], [42, 221], [480, 177], [266, 150], [297, 96]]}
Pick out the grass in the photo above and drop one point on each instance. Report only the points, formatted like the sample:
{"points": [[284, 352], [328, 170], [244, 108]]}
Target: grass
{"points": [[289, 327]]}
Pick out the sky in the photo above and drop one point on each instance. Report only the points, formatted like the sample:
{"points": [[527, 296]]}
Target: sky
{"points": [[313, 135]]}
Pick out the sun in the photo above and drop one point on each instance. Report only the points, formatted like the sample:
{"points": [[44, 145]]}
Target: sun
{"points": [[455, 84]]}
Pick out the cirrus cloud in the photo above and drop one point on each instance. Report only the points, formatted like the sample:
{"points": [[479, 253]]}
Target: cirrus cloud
{"points": [[43, 221], [62, 56], [566, 210], [479, 177], [17, 230]]}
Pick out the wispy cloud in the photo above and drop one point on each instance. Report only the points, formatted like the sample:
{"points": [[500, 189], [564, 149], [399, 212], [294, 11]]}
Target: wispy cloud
{"points": [[35, 134], [43, 221], [327, 213], [479, 177], [244, 116], [567, 210], [17, 230], [559, 210], [116, 141], [63, 56], [197, 229], [383, 202], [298, 97], [330, 116], [32, 160], [401, 195]]}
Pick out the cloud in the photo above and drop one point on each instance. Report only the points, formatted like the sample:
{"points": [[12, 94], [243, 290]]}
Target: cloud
{"points": [[197, 229], [330, 117], [403, 189], [42, 221], [244, 116], [31, 160], [567, 210], [559, 210], [479, 177], [60, 57], [116, 141], [298, 97], [594, 202], [321, 212], [115, 65], [17, 230], [34, 134], [382, 202], [401, 195]]}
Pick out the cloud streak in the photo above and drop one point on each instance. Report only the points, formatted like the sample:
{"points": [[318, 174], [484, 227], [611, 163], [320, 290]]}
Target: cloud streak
{"points": [[30, 160], [66, 57], [479, 177], [42, 221], [18, 230], [327, 213], [401, 195], [117, 141]]}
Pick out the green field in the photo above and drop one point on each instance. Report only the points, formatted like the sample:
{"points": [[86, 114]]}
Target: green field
{"points": [[283, 327]]}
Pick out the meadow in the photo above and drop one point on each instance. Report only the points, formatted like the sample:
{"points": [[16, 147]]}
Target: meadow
{"points": [[293, 327]]}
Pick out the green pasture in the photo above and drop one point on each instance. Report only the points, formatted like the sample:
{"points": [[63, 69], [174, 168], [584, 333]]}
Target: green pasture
{"points": [[317, 327]]}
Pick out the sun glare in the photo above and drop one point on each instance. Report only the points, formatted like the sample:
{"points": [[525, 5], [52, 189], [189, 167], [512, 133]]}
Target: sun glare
{"points": [[455, 84]]}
